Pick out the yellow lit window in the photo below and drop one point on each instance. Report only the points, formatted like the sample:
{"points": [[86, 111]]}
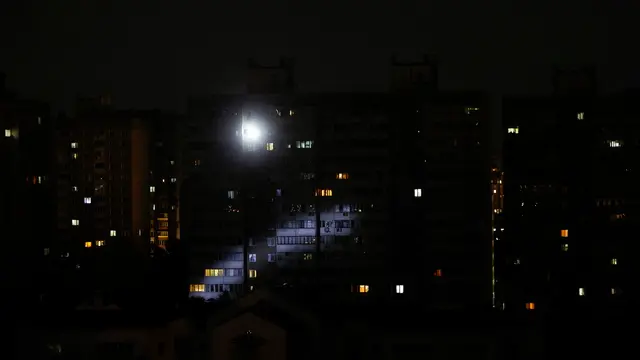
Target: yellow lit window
{"points": [[581, 291], [74, 155], [324, 192], [291, 112], [99, 243], [7, 133], [580, 116], [564, 233], [614, 261], [253, 274], [530, 306], [269, 146], [307, 256], [513, 130], [112, 233], [214, 272], [87, 244], [74, 145], [75, 222], [196, 287], [342, 176], [437, 273], [363, 288]]}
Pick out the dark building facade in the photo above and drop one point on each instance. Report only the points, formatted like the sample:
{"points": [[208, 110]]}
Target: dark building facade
{"points": [[374, 196], [117, 195], [570, 199], [27, 192]]}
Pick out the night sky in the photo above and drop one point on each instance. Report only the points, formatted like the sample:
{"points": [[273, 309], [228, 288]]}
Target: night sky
{"points": [[154, 53]]}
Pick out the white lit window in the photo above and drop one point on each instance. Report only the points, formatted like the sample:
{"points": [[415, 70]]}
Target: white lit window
{"points": [[291, 112], [74, 188], [172, 162], [47, 251], [231, 194], [74, 145], [87, 200], [399, 289], [565, 247], [616, 143], [39, 120], [269, 146], [99, 243], [173, 180], [253, 257], [580, 116], [513, 130], [417, 192], [152, 189], [307, 144], [153, 206], [112, 233], [581, 291], [614, 261], [75, 222], [7, 133]]}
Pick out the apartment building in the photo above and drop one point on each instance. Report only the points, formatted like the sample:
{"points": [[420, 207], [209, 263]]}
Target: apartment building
{"points": [[27, 192], [117, 194], [569, 199], [389, 188]]}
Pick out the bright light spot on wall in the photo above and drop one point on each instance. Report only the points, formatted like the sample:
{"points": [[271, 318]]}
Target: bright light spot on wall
{"points": [[251, 132]]}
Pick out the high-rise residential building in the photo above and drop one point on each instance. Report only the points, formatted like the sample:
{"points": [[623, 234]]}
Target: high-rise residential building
{"points": [[27, 195], [117, 194], [497, 206], [569, 190], [372, 196]]}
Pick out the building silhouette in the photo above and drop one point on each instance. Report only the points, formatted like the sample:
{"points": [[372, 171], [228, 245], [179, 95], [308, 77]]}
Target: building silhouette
{"points": [[569, 199], [27, 193], [365, 196]]}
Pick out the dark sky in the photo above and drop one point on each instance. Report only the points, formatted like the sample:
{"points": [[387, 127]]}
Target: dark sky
{"points": [[151, 53]]}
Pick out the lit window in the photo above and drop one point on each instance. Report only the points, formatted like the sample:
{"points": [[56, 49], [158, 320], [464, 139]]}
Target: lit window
{"points": [[75, 222], [417, 192], [513, 130], [196, 287], [173, 180], [269, 146], [565, 247], [7, 133], [580, 116], [112, 233], [616, 143], [196, 162], [214, 272], [564, 233], [399, 289], [437, 273], [324, 192], [87, 200], [99, 243], [614, 261], [530, 306], [74, 188], [271, 257], [363, 288], [307, 144], [152, 189], [88, 244], [581, 291], [253, 273], [307, 256], [614, 291], [74, 155], [342, 176], [231, 194], [74, 145], [291, 112], [253, 258]]}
